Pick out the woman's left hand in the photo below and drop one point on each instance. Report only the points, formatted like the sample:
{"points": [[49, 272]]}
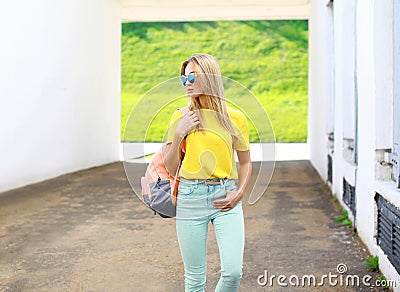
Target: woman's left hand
{"points": [[230, 201]]}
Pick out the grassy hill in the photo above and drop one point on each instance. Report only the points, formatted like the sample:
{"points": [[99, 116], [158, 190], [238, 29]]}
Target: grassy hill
{"points": [[270, 58]]}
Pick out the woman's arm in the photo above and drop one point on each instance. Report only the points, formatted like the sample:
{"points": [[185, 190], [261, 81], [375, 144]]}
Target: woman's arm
{"points": [[172, 153], [244, 173]]}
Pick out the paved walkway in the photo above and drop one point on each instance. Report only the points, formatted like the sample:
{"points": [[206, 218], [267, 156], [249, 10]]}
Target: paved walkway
{"points": [[87, 231]]}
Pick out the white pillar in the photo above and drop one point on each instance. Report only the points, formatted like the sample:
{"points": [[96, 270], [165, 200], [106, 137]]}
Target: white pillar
{"points": [[383, 64], [366, 116], [344, 36], [320, 84]]}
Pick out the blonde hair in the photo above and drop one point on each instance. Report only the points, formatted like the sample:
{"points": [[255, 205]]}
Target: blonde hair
{"points": [[209, 75]]}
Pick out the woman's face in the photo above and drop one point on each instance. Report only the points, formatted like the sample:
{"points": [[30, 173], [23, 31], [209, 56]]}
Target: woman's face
{"points": [[192, 89]]}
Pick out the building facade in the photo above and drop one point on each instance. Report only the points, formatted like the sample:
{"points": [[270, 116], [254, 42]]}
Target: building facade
{"points": [[354, 117]]}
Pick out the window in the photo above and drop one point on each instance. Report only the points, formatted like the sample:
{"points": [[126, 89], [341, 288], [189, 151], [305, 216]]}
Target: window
{"points": [[349, 196], [388, 226]]}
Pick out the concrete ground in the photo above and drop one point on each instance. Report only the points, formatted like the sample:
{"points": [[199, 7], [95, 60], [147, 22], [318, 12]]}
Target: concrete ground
{"points": [[87, 231]]}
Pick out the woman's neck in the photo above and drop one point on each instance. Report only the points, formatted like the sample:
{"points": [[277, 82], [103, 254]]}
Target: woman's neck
{"points": [[203, 102]]}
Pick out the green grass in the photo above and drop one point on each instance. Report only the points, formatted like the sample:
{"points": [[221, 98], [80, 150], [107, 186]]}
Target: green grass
{"points": [[344, 219], [267, 57], [372, 264]]}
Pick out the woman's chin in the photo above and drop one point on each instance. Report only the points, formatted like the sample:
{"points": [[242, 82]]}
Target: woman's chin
{"points": [[193, 95]]}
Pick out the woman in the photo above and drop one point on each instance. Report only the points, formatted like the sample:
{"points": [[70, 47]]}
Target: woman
{"points": [[207, 190]]}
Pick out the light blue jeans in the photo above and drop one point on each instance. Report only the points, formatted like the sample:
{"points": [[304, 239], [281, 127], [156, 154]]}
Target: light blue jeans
{"points": [[193, 212]]}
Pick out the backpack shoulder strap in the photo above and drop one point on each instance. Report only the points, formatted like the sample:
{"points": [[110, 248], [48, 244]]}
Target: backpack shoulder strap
{"points": [[183, 110]]}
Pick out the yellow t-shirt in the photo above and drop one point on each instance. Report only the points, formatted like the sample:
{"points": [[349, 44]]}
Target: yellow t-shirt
{"points": [[209, 153]]}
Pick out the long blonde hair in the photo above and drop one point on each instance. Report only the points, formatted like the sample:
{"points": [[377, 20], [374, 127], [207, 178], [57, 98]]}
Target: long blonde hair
{"points": [[209, 75]]}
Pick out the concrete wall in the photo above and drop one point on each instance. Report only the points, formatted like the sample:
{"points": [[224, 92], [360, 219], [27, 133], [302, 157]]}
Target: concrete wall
{"points": [[60, 88], [375, 111], [380, 103], [321, 84], [345, 44], [367, 122], [363, 66]]}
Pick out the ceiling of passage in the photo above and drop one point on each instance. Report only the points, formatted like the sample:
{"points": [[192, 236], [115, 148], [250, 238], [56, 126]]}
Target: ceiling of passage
{"points": [[190, 10]]}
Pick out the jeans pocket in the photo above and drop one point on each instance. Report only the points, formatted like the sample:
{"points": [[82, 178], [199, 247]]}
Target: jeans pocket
{"points": [[230, 185], [185, 189], [219, 194]]}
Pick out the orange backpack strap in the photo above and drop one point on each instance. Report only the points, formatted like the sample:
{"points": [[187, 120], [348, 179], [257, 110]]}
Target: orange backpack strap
{"points": [[184, 110]]}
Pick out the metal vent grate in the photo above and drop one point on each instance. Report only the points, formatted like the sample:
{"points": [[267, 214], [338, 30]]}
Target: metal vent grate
{"points": [[389, 230], [349, 196], [329, 168]]}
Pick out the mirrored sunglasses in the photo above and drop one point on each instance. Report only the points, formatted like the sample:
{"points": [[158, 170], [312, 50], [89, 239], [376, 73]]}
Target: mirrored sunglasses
{"points": [[191, 78]]}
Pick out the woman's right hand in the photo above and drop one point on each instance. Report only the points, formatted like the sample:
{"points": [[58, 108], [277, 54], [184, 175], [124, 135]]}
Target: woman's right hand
{"points": [[187, 123]]}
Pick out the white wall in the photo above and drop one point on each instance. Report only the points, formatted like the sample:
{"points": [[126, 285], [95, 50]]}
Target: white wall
{"points": [[344, 35], [383, 60], [60, 88], [345, 32], [320, 80], [375, 80], [366, 106], [383, 95], [373, 40]]}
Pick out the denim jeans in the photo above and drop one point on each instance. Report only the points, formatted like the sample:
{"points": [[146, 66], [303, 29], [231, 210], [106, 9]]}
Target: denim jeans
{"points": [[194, 211]]}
